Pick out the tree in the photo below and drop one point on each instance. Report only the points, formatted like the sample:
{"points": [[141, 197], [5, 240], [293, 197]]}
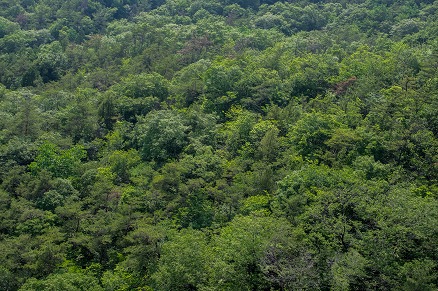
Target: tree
{"points": [[260, 87], [310, 134], [61, 163], [236, 131], [239, 251], [188, 83], [51, 61], [184, 262], [161, 135], [220, 81], [22, 116], [122, 162], [7, 26], [143, 85], [63, 281], [79, 118]]}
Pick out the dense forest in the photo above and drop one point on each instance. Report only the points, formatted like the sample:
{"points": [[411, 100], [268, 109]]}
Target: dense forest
{"points": [[218, 145]]}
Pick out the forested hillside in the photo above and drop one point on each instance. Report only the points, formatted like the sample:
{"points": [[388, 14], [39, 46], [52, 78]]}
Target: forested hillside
{"points": [[218, 145]]}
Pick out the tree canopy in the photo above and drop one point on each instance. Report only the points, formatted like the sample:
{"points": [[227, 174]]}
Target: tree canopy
{"points": [[218, 145]]}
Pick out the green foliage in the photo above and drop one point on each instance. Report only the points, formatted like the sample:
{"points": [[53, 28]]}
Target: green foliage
{"points": [[66, 281], [219, 83], [239, 249], [121, 163], [51, 61], [7, 27], [184, 262], [60, 163], [161, 135], [348, 271], [256, 204], [143, 85], [188, 84], [218, 145], [311, 134], [419, 275], [237, 130]]}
